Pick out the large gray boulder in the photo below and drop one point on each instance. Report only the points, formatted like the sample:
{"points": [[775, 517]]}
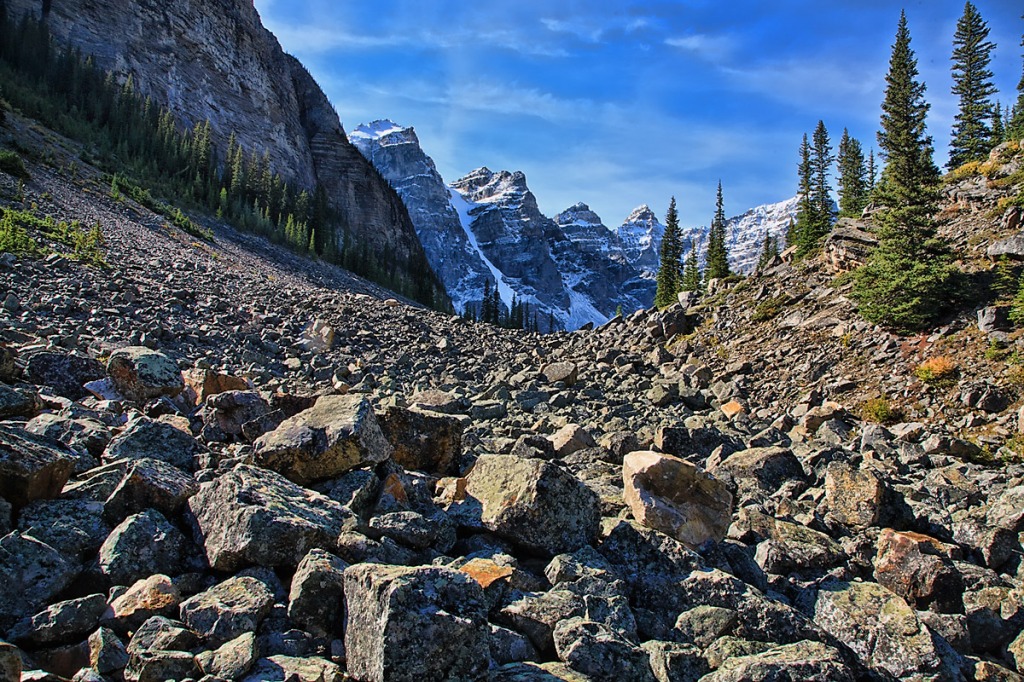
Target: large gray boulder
{"points": [[228, 610], [141, 545], [423, 441], [392, 608], [149, 484], [600, 653], [340, 432], [252, 516], [63, 622], [65, 374], [31, 467], [880, 628], [31, 574], [145, 438], [676, 497], [534, 504], [316, 600], [140, 374]]}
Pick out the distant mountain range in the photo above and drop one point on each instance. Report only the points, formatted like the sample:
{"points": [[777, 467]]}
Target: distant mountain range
{"points": [[486, 226]]}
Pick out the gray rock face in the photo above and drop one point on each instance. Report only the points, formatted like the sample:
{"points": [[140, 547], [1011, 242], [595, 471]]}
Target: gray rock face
{"points": [[339, 433], [228, 610], [217, 62], [31, 467], [641, 235], [31, 573], [600, 653], [423, 441], [798, 661], [144, 544], [391, 607], [64, 621], [65, 374], [317, 597], [251, 516], [534, 503], [72, 527], [145, 438]]}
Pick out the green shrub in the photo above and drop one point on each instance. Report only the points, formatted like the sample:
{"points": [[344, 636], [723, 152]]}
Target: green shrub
{"points": [[769, 308], [879, 411], [12, 164], [938, 371]]}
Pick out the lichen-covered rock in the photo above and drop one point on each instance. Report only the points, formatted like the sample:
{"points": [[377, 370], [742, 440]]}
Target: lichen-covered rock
{"points": [[281, 668], [72, 527], [206, 382], [142, 545], [791, 547], [64, 373], [340, 432], [63, 622], [673, 662], [145, 438], [390, 608], [317, 597], [226, 414], [600, 653], [149, 484], [676, 497], [565, 372], [232, 659], [795, 662], [910, 565], [157, 666], [31, 574], [536, 614], [416, 531], [571, 438], [31, 467], [227, 610], [855, 497], [251, 516], [140, 374], [757, 472], [16, 403], [880, 628], [423, 441], [162, 634], [534, 503], [84, 435], [702, 625]]}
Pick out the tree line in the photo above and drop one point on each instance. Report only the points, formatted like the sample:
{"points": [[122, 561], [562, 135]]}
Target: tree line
{"points": [[908, 280], [131, 137]]}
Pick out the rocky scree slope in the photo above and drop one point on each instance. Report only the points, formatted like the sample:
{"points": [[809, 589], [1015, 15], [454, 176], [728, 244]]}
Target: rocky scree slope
{"points": [[217, 464], [213, 60]]}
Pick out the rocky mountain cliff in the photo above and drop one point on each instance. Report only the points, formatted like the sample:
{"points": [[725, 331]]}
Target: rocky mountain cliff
{"points": [[487, 226], [641, 235], [213, 60], [745, 234]]}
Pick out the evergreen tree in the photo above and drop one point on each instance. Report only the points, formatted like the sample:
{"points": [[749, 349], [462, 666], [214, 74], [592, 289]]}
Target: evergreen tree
{"points": [[971, 139], [1015, 121], [853, 186], [905, 281], [872, 173], [769, 252], [717, 262], [691, 272], [806, 223], [670, 275], [998, 129], [821, 164], [1017, 309]]}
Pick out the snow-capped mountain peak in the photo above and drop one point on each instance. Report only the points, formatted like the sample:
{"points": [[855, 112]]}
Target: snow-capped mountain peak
{"points": [[376, 130]]}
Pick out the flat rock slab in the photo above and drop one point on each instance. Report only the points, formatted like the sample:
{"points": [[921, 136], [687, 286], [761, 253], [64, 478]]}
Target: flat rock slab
{"points": [[252, 516], [534, 503], [31, 467], [676, 497], [340, 432], [31, 574], [392, 608], [145, 438], [228, 610]]}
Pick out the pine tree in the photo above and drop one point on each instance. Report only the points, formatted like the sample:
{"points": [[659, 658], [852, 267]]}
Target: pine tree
{"points": [[905, 281], [806, 213], [872, 174], [821, 164], [998, 129], [669, 276], [853, 189], [972, 82], [769, 252], [691, 272], [717, 262], [1015, 122]]}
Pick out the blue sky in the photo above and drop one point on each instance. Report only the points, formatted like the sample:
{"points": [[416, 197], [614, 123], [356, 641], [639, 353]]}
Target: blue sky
{"points": [[617, 104]]}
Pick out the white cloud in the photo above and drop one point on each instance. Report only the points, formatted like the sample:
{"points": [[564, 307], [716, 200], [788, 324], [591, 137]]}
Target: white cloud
{"points": [[711, 47]]}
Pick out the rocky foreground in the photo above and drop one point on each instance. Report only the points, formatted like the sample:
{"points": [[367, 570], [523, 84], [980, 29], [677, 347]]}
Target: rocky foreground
{"points": [[218, 461]]}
